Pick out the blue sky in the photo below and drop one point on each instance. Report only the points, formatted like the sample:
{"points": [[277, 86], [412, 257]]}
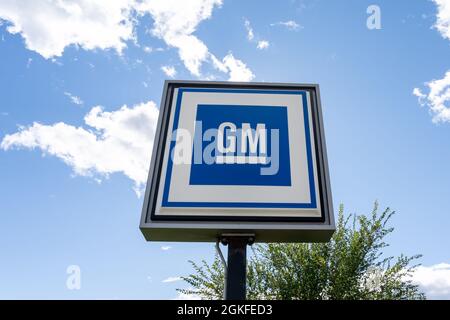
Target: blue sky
{"points": [[81, 84]]}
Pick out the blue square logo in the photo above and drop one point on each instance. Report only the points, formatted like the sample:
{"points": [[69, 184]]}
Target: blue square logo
{"points": [[241, 145]]}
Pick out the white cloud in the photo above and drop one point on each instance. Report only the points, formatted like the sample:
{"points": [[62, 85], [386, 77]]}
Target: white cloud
{"points": [[290, 24], [76, 100], [169, 71], [443, 18], [248, 27], [118, 141], [263, 44], [171, 279], [433, 280], [437, 99], [148, 49], [176, 21], [48, 27], [418, 93], [237, 69], [165, 248]]}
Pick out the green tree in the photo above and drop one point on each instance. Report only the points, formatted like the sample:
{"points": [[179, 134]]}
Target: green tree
{"points": [[350, 266]]}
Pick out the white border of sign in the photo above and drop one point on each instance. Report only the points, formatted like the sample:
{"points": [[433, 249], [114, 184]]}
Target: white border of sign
{"points": [[270, 224]]}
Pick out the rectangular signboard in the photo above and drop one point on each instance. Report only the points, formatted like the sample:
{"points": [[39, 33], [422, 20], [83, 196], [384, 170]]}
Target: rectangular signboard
{"points": [[238, 158]]}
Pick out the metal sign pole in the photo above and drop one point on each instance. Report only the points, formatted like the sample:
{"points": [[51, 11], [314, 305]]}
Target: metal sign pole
{"points": [[235, 280]]}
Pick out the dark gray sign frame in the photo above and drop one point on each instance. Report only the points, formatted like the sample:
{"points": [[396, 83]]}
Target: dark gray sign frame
{"points": [[210, 228]]}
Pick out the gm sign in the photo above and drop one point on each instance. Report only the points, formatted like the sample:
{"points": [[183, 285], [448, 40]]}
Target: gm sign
{"points": [[247, 147], [232, 157]]}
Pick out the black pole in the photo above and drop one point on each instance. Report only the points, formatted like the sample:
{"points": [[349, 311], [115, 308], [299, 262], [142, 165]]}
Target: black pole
{"points": [[235, 283]]}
